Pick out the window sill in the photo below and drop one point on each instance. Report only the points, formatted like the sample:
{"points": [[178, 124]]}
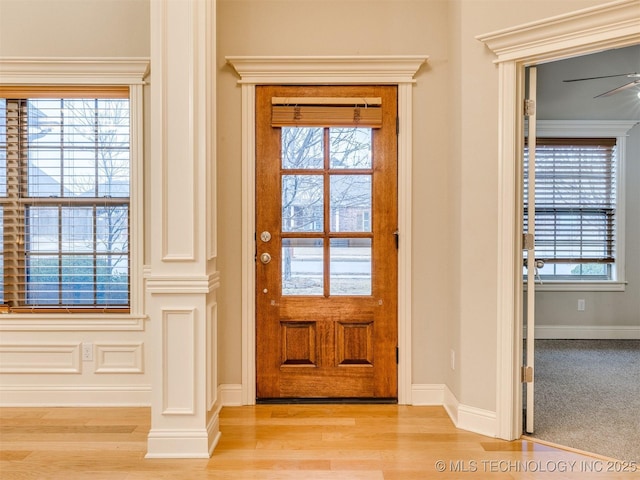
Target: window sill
{"points": [[585, 286], [21, 322]]}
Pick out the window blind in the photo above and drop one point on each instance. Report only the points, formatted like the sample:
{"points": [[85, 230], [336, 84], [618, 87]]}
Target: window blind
{"points": [[575, 199], [326, 112], [64, 195]]}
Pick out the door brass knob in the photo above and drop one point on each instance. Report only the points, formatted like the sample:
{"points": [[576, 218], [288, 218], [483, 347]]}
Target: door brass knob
{"points": [[265, 258]]}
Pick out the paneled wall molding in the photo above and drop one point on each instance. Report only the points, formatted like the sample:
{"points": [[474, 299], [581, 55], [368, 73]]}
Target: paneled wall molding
{"points": [[183, 119], [40, 357], [612, 25], [364, 70], [75, 323], [180, 283], [119, 357], [179, 359], [168, 285]]}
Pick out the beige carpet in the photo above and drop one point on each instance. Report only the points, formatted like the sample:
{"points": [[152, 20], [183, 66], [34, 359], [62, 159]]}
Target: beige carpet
{"points": [[587, 396]]}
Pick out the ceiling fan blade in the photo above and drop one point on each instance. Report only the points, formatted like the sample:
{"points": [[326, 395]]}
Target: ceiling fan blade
{"points": [[630, 75], [619, 89]]}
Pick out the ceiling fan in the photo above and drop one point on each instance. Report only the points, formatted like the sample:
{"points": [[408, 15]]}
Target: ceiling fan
{"points": [[635, 80]]}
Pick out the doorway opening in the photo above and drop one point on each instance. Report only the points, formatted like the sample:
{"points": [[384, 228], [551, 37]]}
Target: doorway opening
{"points": [[586, 31], [586, 295], [341, 70]]}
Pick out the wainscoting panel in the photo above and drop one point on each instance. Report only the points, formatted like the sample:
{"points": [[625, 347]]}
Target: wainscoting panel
{"points": [[119, 357], [178, 362], [40, 358]]}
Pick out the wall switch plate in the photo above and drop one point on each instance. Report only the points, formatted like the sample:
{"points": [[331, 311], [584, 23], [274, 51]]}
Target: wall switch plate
{"points": [[581, 305]]}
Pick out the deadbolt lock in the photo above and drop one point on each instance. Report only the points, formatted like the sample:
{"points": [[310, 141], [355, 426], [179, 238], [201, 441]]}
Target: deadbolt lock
{"points": [[265, 236]]}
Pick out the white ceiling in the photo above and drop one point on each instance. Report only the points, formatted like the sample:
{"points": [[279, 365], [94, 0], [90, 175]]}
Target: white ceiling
{"points": [[558, 100]]}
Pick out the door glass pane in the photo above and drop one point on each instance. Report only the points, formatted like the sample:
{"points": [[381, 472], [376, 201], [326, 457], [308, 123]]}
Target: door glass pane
{"points": [[302, 203], [302, 266], [350, 147], [302, 147], [350, 264], [350, 203]]}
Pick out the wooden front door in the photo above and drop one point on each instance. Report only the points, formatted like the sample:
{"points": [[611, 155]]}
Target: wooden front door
{"points": [[326, 248]]}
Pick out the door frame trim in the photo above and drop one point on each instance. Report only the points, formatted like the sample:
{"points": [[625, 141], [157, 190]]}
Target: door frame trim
{"points": [[607, 26], [338, 70]]}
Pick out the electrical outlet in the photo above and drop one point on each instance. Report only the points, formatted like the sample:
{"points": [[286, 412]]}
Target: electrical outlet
{"points": [[87, 352], [581, 305], [453, 359]]}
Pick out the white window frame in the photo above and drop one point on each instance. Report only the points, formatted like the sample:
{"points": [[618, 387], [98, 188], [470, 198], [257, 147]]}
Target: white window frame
{"points": [[130, 72], [595, 129]]}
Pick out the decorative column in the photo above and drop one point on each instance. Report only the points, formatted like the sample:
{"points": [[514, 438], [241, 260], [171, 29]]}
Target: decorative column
{"points": [[181, 279]]}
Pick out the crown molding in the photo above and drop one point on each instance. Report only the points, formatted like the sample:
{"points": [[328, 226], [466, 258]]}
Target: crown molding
{"points": [[335, 69], [63, 70], [615, 24]]}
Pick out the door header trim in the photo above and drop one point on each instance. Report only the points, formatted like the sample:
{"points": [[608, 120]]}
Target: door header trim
{"points": [[395, 69]]}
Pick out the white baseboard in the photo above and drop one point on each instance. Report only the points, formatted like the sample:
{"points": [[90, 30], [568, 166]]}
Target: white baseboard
{"points": [[451, 405], [75, 395], [477, 420], [464, 417], [587, 332], [230, 395], [427, 394], [188, 443], [185, 443]]}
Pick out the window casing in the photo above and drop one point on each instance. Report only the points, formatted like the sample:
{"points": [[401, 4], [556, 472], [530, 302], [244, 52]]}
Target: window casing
{"points": [[85, 222]]}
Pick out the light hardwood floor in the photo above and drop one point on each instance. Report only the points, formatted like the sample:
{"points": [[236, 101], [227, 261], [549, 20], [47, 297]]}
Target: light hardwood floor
{"points": [[367, 442]]}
